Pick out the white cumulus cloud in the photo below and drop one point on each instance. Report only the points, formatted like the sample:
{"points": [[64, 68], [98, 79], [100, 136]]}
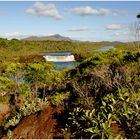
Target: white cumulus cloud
{"points": [[46, 10], [104, 12], [87, 10], [113, 27], [117, 34], [17, 35], [80, 29], [124, 33]]}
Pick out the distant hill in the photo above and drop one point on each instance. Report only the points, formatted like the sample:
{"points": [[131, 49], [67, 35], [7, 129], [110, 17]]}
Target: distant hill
{"points": [[55, 37]]}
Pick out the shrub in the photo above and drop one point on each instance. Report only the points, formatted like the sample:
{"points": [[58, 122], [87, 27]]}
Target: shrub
{"points": [[108, 94], [59, 98]]}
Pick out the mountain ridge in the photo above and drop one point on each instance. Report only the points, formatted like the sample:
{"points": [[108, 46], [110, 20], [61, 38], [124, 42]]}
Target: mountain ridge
{"points": [[55, 37]]}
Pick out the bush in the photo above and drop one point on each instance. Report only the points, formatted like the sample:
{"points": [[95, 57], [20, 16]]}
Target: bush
{"points": [[59, 98], [108, 94]]}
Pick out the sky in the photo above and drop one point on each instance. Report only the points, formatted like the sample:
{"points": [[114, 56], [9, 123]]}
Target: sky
{"points": [[85, 20]]}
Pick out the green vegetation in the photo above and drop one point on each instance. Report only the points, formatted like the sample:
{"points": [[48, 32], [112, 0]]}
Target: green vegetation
{"points": [[20, 51], [107, 87], [102, 91]]}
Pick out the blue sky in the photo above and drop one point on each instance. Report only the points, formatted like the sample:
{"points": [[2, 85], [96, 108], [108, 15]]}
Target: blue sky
{"points": [[88, 21]]}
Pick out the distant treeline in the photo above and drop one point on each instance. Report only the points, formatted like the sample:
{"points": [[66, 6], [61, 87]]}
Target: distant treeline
{"points": [[14, 49]]}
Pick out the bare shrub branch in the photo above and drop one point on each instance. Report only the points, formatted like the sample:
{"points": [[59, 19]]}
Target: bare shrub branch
{"points": [[135, 34]]}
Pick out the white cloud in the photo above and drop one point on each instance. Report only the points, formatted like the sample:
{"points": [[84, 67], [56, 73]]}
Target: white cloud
{"points": [[117, 34], [81, 29], [113, 27], [121, 12], [104, 11], [16, 35], [46, 10], [87, 10], [13, 34], [126, 33]]}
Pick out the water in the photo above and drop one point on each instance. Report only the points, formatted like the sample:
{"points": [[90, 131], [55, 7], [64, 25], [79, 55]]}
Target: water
{"points": [[58, 53], [19, 80], [64, 60], [64, 65], [61, 60], [106, 48]]}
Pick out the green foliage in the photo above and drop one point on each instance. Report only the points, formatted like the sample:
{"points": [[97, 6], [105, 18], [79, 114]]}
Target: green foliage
{"points": [[90, 124], [13, 121], [108, 92], [41, 76], [37, 71], [7, 86], [24, 89], [11, 49], [103, 90], [29, 107], [3, 42], [121, 108], [58, 98], [32, 106]]}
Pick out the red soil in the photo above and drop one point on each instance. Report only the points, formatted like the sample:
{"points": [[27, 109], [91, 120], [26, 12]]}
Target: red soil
{"points": [[44, 125], [39, 126], [4, 111], [117, 130]]}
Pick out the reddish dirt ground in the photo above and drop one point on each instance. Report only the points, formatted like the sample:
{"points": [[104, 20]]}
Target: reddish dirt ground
{"points": [[4, 111], [44, 125], [39, 126], [117, 130]]}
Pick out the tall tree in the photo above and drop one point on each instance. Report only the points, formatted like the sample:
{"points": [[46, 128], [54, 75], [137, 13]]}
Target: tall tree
{"points": [[14, 71], [38, 75]]}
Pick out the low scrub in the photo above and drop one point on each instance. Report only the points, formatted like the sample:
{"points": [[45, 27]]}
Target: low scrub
{"points": [[107, 91]]}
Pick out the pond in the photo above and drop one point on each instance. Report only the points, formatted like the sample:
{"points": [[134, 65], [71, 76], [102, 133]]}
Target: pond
{"points": [[64, 60], [106, 48], [61, 60], [58, 53]]}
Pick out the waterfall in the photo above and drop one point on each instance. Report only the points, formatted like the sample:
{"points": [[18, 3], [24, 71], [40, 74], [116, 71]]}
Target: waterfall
{"points": [[59, 58]]}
